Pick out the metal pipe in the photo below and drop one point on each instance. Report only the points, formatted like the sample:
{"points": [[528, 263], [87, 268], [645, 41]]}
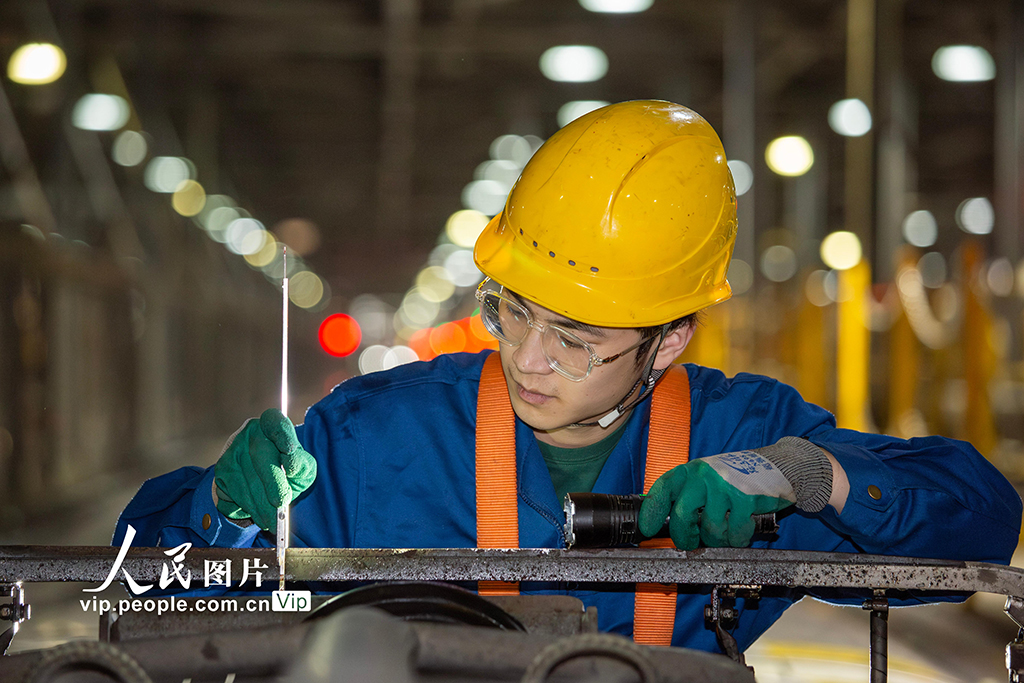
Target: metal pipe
{"points": [[707, 566]]}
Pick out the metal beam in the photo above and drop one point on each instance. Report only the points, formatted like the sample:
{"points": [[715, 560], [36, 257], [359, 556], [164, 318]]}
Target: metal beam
{"points": [[709, 566]]}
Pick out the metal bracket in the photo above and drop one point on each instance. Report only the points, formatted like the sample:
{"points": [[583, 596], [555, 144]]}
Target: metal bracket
{"points": [[722, 614], [879, 643], [16, 611], [1015, 651]]}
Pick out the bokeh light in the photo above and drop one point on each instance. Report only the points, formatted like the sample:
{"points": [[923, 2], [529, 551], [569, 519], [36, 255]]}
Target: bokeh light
{"points": [[486, 196], [302, 236], [246, 236], [129, 148], [920, 228], [515, 148], [814, 289], [778, 263], [570, 111], [435, 284], [742, 176], [218, 213], [502, 171], [447, 338], [340, 335], [932, 267], [100, 112], [306, 289], [740, 276], [963, 63], [841, 250], [417, 311], [616, 6], [976, 216], [189, 199], [265, 255], [790, 155], [851, 117], [398, 355], [165, 174], [463, 227], [371, 359], [36, 64], [999, 277], [461, 268], [419, 342], [574, 63]]}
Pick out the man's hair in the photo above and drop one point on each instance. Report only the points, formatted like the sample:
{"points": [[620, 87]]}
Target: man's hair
{"points": [[650, 334]]}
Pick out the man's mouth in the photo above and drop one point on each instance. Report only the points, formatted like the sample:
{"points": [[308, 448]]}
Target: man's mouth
{"points": [[533, 397]]}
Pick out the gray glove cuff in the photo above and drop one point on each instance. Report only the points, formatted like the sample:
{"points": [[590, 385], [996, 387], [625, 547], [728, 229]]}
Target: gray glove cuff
{"points": [[806, 467]]}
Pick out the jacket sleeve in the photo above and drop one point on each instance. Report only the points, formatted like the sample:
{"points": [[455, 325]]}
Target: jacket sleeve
{"points": [[926, 497], [178, 508]]}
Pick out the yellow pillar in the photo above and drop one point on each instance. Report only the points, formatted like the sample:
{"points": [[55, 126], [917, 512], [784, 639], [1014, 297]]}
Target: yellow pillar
{"points": [[904, 370], [710, 344], [853, 349], [811, 362], [979, 356]]}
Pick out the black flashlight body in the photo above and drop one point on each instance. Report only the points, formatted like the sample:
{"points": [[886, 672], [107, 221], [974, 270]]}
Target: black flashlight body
{"points": [[601, 520]]}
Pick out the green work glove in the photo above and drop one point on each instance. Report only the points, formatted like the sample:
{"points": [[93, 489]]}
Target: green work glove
{"points": [[712, 499], [248, 477]]}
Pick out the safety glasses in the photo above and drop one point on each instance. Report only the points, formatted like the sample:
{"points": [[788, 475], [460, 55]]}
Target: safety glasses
{"points": [[510, 322]]}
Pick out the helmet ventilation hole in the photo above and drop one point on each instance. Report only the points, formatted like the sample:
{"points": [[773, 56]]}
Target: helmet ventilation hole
{"points": [[535, 243], [572, 263], [551, 254], [593, 269]]}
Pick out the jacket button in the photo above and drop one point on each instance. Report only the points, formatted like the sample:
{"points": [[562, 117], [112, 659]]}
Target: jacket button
{"points": [[207, 521], [875, 492]]}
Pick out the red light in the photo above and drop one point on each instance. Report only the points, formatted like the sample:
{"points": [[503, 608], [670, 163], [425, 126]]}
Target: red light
{"points": [[340, 335], [420, 343], [448, 338]]}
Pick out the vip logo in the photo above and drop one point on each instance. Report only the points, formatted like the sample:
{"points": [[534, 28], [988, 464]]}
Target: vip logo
{"points": [[291, 601]]}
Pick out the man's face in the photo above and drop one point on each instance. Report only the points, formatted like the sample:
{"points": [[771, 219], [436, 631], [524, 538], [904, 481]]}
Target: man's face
{"points": [[548, 402]]}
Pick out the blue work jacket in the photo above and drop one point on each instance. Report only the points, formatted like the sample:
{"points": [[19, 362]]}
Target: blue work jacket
{"points": [[395, 454]]}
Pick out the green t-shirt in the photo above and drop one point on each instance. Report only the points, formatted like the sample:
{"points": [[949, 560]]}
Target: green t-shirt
{"points": [[576, 469]]}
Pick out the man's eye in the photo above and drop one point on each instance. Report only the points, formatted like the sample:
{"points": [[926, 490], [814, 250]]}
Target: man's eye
{"points": [[571, 345]]}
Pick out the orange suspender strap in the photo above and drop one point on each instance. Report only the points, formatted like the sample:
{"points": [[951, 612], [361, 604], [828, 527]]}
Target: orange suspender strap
{"points": [[497, 511], [668, 445]]}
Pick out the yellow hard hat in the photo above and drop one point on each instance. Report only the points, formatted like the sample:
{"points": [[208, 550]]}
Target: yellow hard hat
{"points": [[625, 217]]}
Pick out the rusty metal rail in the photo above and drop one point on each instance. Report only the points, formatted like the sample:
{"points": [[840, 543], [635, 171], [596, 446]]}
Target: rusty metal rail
{"points": [[711, 566]]}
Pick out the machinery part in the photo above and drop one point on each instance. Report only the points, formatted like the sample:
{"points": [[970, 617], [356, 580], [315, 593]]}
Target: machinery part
{"points": [[601, 520], [357, 644], [1014, 609], [706, 566], [423, 601], [102, 661], [16, 611], [721, 614], [591, 644], [879, 644]]}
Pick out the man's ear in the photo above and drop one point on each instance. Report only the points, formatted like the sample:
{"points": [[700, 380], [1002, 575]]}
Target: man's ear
{"points": [[673, 346]]}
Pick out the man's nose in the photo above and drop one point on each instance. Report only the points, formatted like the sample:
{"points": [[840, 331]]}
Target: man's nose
{"points": [[529, 355]]}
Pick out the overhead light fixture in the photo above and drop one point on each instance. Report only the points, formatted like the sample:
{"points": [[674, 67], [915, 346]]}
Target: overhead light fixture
{"points": [[742, 176], [841, 250], [963, 63], [36, 64], [574, 63], [100, 112], [570, 111], [851, 118], [616, 6], [790, 155]]}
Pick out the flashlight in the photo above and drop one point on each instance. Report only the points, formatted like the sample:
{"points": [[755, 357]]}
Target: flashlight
{"points": [[601, 520]]}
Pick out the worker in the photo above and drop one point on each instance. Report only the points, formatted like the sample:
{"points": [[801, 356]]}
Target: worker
{"points": [[616, 236]]}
